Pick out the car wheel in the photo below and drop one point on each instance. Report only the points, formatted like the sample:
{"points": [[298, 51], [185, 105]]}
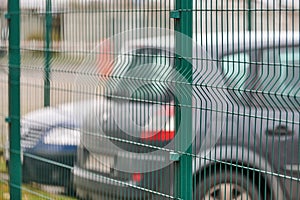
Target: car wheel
{"points": [[226, 186]]}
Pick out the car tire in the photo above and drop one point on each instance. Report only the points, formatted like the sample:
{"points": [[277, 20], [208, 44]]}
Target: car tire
{"points": [[227, 185]]}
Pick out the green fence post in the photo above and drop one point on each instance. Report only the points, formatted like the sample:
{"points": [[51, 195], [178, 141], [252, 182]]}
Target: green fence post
{"points": [[48, 40], [15, 173], [183, 168]]}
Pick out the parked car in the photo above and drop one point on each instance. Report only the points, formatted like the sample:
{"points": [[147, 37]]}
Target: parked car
{"points": [[251, 78], [49, 140]]}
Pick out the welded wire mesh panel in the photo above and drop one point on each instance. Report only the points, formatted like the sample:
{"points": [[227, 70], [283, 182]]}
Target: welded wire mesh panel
{"points": [[49, 133], [156, 99], [254, 46], [74, 58], [128, 124]]}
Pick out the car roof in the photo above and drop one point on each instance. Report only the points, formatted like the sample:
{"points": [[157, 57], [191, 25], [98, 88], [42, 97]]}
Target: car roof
{"points": [[221, 43]]}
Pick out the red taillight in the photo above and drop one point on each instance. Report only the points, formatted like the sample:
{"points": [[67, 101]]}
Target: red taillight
{"points": [[158, 136], [167, 133], [170, 110], [137, 177], [105, 59]]}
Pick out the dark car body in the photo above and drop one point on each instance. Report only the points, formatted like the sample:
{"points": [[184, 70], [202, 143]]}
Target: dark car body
{"points": [[260, 130], [49, 140]]}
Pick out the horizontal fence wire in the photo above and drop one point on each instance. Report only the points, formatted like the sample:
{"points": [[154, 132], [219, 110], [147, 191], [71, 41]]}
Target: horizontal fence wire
{"points": [[109, 112]]}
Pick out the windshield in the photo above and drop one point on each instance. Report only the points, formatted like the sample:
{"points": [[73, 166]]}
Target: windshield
{"points": [[274, 77], [142, 74], [279, 77]]}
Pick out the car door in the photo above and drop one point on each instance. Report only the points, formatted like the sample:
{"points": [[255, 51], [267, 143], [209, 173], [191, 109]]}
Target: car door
{"points": [[264, 84], [278, 102]]}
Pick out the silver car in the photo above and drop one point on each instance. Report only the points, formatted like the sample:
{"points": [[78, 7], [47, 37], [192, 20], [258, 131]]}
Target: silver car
{"points": [[245, 121]]}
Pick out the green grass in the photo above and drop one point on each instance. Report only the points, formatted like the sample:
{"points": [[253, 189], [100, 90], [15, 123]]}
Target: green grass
{"points": [[3, 168], [29, 191], [4, 194]]}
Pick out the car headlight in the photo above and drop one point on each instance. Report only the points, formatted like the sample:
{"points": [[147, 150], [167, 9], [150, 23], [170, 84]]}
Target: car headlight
{"points": [[62, 136]]}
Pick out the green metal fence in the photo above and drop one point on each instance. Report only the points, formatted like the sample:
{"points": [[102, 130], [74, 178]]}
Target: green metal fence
{"points": [[149, 99]]}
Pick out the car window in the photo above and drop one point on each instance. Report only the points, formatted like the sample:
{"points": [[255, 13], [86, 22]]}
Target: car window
{"points": [[280, 71], [235, 67], [146, 75], [279, 76], [147, 56]]}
